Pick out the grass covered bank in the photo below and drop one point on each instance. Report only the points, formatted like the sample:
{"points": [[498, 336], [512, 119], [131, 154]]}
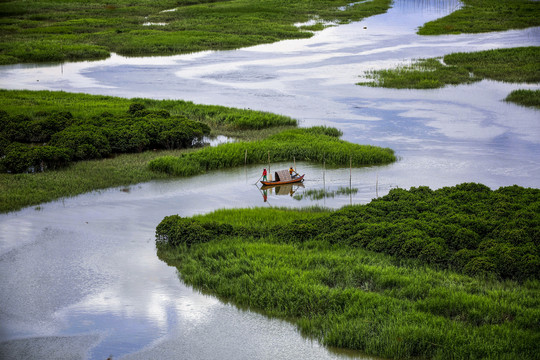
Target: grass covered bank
{"points": [[80, 30], [52, 138], [221, 118], [389, 278], [318, 144], [479, 16]]}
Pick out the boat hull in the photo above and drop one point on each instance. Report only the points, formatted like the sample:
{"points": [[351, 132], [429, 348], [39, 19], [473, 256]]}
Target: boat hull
{"points": [[292, 181]]}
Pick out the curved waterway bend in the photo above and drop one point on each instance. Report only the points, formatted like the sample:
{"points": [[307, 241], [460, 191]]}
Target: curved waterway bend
{"points": [[80, 278]]}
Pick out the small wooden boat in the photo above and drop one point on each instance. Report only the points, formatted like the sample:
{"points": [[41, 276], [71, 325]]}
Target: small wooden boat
{"points": [[283, 177]]}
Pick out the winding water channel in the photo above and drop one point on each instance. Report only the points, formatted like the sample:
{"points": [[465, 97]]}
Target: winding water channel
{"points": [[80, 277]]}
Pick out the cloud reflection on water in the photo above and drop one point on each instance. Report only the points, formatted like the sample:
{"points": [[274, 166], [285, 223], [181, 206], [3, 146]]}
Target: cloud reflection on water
{"points": [[87, 265]]}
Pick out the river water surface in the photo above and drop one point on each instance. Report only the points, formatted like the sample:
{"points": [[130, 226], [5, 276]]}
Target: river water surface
{"points": [[80, 277]]}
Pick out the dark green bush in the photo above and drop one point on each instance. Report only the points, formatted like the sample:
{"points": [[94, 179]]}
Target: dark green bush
{"points": [[135, 107], [17, 158], [91, 138], [175, 230], [85, 142], [49, 157]]}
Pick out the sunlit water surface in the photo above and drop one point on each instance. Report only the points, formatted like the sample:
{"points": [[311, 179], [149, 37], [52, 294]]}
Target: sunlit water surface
{"points": [[80, 277]]}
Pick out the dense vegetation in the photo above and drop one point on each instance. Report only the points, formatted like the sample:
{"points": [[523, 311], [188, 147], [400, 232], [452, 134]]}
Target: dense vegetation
{"points": [[479, 16], [49, 139], [388, 278], [52, 109], [59, 30], [318, 144], [510, 65], [63, 138]]}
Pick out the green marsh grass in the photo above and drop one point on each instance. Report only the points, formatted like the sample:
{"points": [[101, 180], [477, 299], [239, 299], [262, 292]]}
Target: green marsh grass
{"points": [[261, 218], [21, 190], [347, 296], [525, 97], [316, 144], [519, 65], [319, 194], [80, 30], [23, 102], [478, 16], [422, 74]]}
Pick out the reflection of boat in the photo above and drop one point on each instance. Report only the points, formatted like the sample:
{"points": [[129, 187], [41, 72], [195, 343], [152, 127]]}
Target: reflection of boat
{"points": [[283, 177], [287, 189]]}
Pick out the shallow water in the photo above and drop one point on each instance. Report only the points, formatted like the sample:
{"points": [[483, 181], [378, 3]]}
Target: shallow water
{"points": [[80, 277]]}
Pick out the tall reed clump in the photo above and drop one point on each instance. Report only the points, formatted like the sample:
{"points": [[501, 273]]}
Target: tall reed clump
{"points": [[311, 269], [315, 144]]}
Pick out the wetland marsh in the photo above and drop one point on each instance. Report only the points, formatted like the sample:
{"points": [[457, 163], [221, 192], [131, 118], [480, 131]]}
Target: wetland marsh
{"points": [[80, 276]]}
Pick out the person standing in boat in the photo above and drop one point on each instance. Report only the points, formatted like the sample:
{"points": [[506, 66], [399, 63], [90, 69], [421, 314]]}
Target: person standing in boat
{"points": [[264, 175]]}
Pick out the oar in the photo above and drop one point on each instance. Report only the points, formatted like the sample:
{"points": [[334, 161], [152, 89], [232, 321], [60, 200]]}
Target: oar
{"points": [[256, 182]]}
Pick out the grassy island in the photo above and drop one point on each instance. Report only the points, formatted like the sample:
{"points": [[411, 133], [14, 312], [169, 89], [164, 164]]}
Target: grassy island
{"points": [[111, 155], [518, 65], [60, 30], [317, 144], [525, 97], [478, 16], [451, 273], [88, 142]]}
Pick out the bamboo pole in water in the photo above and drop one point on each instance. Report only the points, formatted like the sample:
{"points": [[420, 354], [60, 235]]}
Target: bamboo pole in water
{"points": [[324, 174], [269, 172], [324, 169], [350, 180]]}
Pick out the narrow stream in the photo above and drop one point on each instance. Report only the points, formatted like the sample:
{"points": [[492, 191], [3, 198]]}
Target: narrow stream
{"points": [[80, 277]]}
